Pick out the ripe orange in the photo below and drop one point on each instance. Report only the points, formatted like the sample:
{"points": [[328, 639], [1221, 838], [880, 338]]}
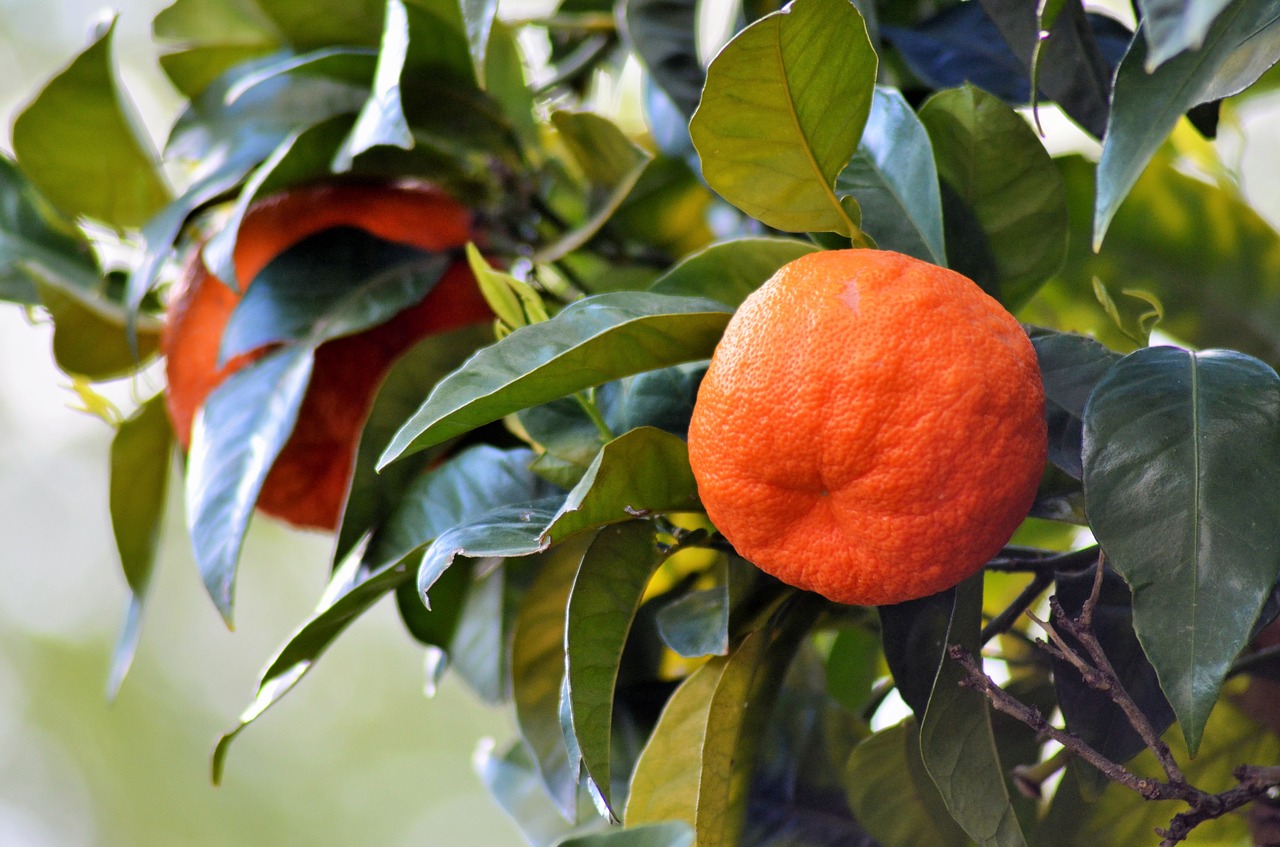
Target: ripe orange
{"points": [[871, 427], [307, 484]]}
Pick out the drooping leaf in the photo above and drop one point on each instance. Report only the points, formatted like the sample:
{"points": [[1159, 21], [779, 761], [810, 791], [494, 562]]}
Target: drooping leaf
{"points": [[606, 594], [895, 181], [642, 471], [1181, 452], [237, 435], [956, 739], [914, 635], [81, 144], [996, 167], [510, 530], [537, 672], [335, 283], [663, 34], [37, 242], [591, 342], [140, 456], [892, 794], [1242, 43], [373, 496], [1070, 366], [730, 270], [1067, 64], [783, 107], [480, 649], [612, 164]]}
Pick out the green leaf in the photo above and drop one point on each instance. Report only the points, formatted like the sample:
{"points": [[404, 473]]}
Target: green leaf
{"points": [[320, 23], [1181, 456], [512, 780], [90, 337], [335, 283], [504, 532], [1070, 366], [205, 40], [537, 672], [1175, 26], [640, 472], [381, 120], [853, 667], [895, 181], [696, 624], [663, 33], [465, 488], [784, 104], [668, 834], [606, 594], [374, 496], [504, 80], [479, 651], [612, 164], [957, 743], [478, 17], [591, 342], [81, 144], [1242, 43], [140, 455], [728, 271], [37, 242], [238, 432], [997, 168], [516, 303], [914, 635], [892, 795]]}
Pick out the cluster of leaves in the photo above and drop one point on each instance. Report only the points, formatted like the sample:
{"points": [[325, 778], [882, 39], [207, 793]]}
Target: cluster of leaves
{"points": [[531, 507]]}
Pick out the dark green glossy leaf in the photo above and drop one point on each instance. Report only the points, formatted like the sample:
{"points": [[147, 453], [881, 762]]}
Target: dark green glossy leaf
{"points": [[1067, 65], [207, 39], [668, 834], [90, 338], [1175, 26], [1091, 714], [956, 739], [998, 169], [591, 342], [784, 104], [642, 471], [663, 34], [79, 143], [140, 456], [479, 651], [1070, 366], [238, 433], [730, 270], [373, 496], [605, 597], [1242, 43], [435, 627], [612, 164], [537, 672], [334, 283], [895, 181], [892, 794], [37, 242], [1181, 457], [914, 637], [1212, 261]]}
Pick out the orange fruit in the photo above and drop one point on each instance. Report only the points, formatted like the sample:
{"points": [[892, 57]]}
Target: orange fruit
{"points": [[871, 427], [307, 485]]}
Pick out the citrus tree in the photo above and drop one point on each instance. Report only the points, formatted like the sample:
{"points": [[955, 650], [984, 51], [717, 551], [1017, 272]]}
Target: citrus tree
{"points": [[960, 556]]}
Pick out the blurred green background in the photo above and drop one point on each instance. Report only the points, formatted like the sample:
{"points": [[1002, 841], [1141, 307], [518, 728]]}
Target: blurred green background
{"points": [[356, 755]]}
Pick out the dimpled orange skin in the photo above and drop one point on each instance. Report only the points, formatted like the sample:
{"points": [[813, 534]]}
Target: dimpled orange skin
{"points": [[307, 483], [871, 427]]}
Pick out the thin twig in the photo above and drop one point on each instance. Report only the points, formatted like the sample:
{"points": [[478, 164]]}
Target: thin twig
{"points": [[1013, 559], [1002, 622]]}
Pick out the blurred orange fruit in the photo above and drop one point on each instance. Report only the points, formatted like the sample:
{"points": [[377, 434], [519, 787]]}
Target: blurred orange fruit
{"points": [[307, 485], [871, 427]]}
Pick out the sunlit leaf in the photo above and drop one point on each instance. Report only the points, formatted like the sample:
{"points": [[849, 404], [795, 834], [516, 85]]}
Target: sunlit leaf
{"points": [[1181, 454], [591, 342], [730, 270], [1242, 43], [783, 107], [895, 181], [1000, 173], [81, 144]]}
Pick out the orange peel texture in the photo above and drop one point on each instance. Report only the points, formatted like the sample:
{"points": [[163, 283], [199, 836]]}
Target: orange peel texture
{"points": [[871, 427], [307, 485]]}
